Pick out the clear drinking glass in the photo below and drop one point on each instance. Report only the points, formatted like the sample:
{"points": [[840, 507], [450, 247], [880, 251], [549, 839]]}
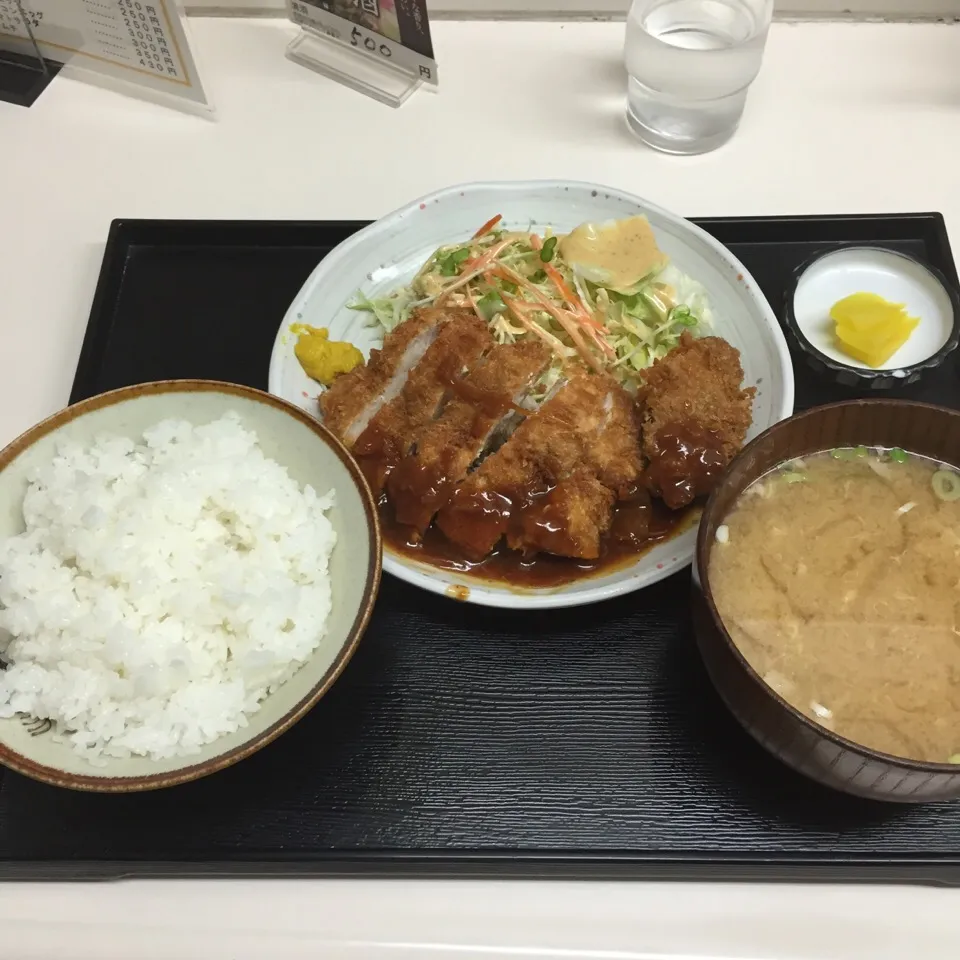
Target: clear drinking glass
{"points": [[690, 63]]}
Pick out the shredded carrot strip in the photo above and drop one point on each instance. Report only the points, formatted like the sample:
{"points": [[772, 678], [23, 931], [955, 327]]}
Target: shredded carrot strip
{"points": [[488, 226], [473, 269], [504, 272], [572, 298], [488, 256], [576, 321], [556, 345], [569, 324]]}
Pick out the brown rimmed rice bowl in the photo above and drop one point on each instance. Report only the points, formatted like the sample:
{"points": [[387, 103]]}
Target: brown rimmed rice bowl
{"points": [[312, 455]]}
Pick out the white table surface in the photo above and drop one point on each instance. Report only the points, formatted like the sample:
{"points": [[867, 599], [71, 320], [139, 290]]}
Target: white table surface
{"points": [[843, 119]]}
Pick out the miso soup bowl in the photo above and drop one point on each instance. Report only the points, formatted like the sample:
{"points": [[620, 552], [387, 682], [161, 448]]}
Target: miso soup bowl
{"points": [[784, 731]]}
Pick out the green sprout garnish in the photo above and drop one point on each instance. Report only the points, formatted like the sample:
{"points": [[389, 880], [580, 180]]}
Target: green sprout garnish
{"points": [[449, 263], [549, 245]]}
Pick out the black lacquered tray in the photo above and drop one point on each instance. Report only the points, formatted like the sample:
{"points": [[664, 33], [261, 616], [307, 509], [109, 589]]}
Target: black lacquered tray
{"points": [[462, 740]]}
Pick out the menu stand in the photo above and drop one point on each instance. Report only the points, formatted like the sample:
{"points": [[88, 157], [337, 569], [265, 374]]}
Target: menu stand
{"points": [[138, 48], [388, 84], [381, 48], [24, 74]]}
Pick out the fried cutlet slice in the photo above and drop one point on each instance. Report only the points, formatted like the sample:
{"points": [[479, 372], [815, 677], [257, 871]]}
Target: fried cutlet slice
{"points": [[424, 480], [567, 521], [546, 448], [571, 519], [699, 381], [354, 398], [695, 418], [462, 340], [613, 454]]}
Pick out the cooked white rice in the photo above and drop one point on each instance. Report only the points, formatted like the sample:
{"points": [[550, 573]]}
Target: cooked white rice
{"points": [[162, 588]]}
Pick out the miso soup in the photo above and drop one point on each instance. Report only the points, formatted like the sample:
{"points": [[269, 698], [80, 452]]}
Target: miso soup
{"points": [[838, 578]]}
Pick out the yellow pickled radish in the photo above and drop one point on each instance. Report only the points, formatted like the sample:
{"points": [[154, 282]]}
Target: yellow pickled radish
{"points": [[871, 329]]}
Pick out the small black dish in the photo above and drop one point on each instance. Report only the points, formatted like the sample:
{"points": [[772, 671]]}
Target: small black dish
{"points": [[827, 277]]}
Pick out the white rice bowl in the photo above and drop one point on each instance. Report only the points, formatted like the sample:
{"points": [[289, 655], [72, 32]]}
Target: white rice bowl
{"points": [[163, 584]]}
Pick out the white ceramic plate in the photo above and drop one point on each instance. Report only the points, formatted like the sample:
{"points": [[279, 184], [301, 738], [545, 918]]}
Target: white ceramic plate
{"points": [[389, 252]]}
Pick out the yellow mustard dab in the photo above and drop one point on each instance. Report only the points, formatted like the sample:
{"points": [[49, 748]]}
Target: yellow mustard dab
{"points": [[323, 359], [871, 329]]}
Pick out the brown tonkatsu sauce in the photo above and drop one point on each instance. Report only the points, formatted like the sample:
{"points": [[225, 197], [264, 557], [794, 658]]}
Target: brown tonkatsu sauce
{"points": [[418, 490], [637, 526], [585, 484], [687, 464], [378, 455], [487, 403], [685, 468]]}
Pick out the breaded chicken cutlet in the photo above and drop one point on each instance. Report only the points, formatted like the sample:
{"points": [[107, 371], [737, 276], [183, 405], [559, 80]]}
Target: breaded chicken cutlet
{"points": [[695, 417], [587, 431], [429, 419], [700, 381], [355, 398], [571, 519], [567, 521], [447, 448], [461, 341]]}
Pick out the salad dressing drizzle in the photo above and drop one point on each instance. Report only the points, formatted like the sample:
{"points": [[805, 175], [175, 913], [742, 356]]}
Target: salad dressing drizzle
{"points": [[618, 254]]}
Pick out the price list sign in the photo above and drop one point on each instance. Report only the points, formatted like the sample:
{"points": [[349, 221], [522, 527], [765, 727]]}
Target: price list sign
{"points": [[394, 32], [139, 41]]}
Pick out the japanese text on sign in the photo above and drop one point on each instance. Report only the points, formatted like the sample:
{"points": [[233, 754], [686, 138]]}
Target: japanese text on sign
{"points": [[141, 41], [392, 31]]}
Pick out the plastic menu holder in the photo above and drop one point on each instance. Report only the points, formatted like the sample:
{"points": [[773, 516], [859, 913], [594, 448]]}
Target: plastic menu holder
{"points": [[378, 47], [137, 47]]}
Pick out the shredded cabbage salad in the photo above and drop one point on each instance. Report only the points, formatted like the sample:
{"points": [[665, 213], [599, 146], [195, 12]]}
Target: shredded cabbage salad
{"points": [[520, 284]]}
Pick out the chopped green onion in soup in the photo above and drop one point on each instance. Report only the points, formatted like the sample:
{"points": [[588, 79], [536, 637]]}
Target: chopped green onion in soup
{"points": [[946, 485]]}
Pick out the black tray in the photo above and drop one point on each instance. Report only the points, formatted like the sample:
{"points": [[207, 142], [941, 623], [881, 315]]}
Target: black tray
{"points": [[461, 740]]}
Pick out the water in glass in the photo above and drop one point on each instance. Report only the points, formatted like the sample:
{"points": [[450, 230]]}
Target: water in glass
{"points": [[690, 63]]}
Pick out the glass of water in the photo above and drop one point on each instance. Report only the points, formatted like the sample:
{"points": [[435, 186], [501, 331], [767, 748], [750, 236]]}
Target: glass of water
{"points": [[690, 64]]}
